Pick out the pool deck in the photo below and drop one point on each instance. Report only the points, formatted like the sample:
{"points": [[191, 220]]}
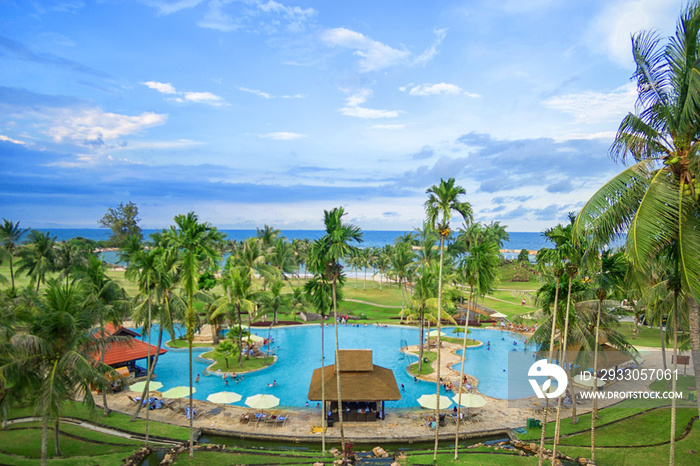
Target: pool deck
{"points": [[498, 416]]}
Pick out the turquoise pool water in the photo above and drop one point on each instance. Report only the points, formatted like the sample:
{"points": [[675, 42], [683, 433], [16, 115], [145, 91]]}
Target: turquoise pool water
{"points": [[299, 354]]}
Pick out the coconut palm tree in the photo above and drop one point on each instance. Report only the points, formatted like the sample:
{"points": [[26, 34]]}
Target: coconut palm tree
{"points": [[36, 258], [69, 257], [443, 201], [10, 237], [107, 298], [402, 265], [197, 247], [480, 266], [267, 235], [56, 353], [319, 292], [326, 254], [240, 294], [655, 201]]}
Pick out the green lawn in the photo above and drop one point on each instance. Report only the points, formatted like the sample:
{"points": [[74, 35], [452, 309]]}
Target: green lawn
{"points": [[413, 368], [251, 364], [646, 336], [244, 457]]}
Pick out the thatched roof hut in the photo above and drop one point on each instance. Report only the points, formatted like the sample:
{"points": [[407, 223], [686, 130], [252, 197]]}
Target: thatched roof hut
{"points": [[360, 379]]}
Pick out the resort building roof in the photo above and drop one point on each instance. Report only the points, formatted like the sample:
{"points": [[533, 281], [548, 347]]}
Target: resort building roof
{"points": [[360, 379], [127, 349]]}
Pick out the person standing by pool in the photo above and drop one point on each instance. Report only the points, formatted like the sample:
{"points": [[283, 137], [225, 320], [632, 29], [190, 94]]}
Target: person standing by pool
{"points": [[197, 379]]}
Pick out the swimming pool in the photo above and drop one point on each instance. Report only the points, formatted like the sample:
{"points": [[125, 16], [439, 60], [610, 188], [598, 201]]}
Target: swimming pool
{"points": [[299, 354]]}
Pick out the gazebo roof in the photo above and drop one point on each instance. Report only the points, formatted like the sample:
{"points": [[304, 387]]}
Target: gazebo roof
{"points": [[360, 380]]}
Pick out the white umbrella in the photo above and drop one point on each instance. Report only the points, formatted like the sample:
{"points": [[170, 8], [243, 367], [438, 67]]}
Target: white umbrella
{"points": [[498, 315], [262, 401], [224, 398], [588, 382], [254, 338], [470, 400], [139, 386], [434, 333], [431, 401], [182, 391]]}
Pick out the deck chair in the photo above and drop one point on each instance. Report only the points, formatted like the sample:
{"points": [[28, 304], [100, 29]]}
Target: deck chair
{"points": [[134, 401], [246, 418], [212, 412], [281, 421]]}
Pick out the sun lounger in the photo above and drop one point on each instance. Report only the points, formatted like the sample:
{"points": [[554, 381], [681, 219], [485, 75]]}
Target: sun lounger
{"points": [[133, 400], [317, 429], [246, 418], [212, 412], [281, 421], [187, 413]]}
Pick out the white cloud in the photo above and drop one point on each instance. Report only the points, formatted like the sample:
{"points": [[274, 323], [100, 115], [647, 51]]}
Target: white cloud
{"points": [[217, 16], [609, 33], [160, 145], [166, 7], [163, 88], [361, 112], [13, 141], [359, 97], [283, 136], [217, 19], [386, 127], [593, 107], [428, 55], [95, 126], [373, 55], [262, 94], [292, 13], [203, 97], [436, 89]]}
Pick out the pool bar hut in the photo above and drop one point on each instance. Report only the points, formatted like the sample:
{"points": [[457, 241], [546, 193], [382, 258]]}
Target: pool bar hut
{"points": [[364, 387]]}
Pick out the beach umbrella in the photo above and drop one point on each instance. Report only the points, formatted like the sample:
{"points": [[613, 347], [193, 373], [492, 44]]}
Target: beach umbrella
{"points": [[431, 401], [182, 391], [470, 400], [224, 398], [498, 315], [254, 338], [588, 382], [139, 386], [434, 333], [262, 401]]}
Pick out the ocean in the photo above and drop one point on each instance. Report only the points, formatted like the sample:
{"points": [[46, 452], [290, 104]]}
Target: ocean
{"points": [[372, 238]]}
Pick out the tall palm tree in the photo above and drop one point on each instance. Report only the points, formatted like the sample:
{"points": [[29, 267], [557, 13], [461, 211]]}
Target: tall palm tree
{"points": [[480, 265], [36, 258], [319, 292], [655, 201], [10, 237], [402, 265], [240, 293], [326, 254], [197, 246], [267, 235], [69, 257], [108, 298], [57, 350], [443, 201]]}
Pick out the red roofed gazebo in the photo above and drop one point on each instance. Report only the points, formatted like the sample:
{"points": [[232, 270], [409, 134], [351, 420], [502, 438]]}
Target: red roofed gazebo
{"points": [[126, 352]]}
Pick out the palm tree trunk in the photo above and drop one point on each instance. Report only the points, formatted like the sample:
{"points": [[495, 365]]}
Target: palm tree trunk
{"points": [[12, 272], [562, 362], [323, 386], [105, 411], [672, 452], [421, 315], [439, 326], [364, 281], [337, 370], [694, 322], [663, 342], [144, 394], [549, 360], [44, 440], [190, 336], [594, 414], [56, 433], [461, 374]]}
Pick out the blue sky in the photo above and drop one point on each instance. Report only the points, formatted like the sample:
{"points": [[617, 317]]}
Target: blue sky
{"points": [[264, 112]]}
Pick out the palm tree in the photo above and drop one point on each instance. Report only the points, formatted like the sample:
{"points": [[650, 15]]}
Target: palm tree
{"points": [[107, 298], [281, 257], [326, 254], [36, 258], [240, 293], [10, 237], [267, 235], [612, 270], [196, 244], [443, 200], [480, 266], [402, 264], [655, 201], [56, 353], [273, 300], [319, 292], [68, 257]]}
